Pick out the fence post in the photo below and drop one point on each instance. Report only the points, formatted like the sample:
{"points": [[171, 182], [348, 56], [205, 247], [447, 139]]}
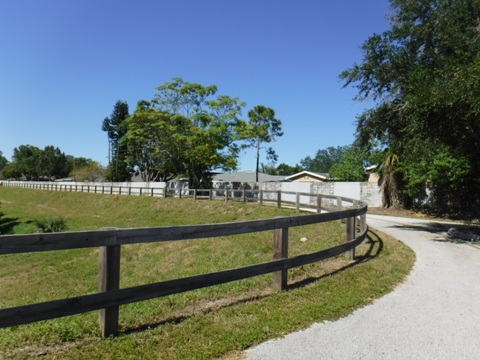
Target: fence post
{"points": [[319, 204], [109, 279], [280, 251], [210, 194], [244, 197], [350, 235], [226, 195], [363, 222], [297, 202], [339, 203], [279, 198], [261, 196]]}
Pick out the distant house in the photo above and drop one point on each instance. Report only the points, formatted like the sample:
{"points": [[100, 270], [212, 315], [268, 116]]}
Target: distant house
{"points": [[246, 177], [308, 176]]}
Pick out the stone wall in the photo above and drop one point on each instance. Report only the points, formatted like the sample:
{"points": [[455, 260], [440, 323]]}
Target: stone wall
{"points": [[364, 191]]}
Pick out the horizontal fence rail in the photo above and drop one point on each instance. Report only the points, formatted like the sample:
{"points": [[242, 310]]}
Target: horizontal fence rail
{"points": [[110, 240]]}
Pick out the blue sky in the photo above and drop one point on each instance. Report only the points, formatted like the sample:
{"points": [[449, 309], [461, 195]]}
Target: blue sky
{"points": [[64, 64]]}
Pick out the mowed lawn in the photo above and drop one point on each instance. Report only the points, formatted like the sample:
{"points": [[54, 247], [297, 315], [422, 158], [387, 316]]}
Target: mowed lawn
{"points": [[209, 323]]}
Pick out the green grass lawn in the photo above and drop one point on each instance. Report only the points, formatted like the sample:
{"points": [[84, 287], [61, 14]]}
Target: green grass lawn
{"points": [[202, 324]]}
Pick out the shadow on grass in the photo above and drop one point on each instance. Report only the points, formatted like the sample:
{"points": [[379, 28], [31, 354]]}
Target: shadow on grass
{"points": [[374, 247], [441, 230], [7, 224]]}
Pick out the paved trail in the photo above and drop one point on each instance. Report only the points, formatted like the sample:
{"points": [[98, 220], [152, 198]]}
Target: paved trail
{"points": [[434, 314]]}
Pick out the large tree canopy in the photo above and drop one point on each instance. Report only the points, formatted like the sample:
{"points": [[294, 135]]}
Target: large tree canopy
{"points": [[184, 130], [423, 75], [32, 163], [351, 166], [324, 159]]}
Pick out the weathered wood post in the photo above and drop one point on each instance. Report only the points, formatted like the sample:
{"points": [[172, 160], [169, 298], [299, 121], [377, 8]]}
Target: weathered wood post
{"points": [[297, 202], [109, 279], [350, 235], [261, 196], [339, 203], [279, 198], [226, 195], [280, 251], [319, 204]]}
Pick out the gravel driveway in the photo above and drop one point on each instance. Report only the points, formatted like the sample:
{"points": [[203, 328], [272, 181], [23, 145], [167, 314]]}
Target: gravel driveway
{"points": [[434, 314]]}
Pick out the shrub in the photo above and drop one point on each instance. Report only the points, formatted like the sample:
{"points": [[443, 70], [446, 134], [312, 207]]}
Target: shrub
{"points": [[51, 224]]}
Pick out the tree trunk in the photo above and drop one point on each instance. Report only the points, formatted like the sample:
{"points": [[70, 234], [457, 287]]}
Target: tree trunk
{"points": [[258, 160]]}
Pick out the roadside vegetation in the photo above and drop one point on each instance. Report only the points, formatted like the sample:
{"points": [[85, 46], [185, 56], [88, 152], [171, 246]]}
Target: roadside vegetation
{"points": [[208, 323]]}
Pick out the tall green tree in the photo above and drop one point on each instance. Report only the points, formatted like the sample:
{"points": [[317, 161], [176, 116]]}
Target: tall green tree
{"points": [[262, 127], [422, 74], [118, 168], [287, 170], [53, 163], [351, 166], [324, 159], [27, 159], [185, 130], [11, 171], [32, 163], [151, 143]]}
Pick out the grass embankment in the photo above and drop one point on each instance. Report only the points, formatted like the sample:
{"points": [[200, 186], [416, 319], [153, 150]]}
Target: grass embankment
{"points": [[202, 324]]}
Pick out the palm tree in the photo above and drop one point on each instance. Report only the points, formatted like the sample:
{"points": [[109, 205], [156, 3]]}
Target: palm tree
{"points": [[391, 181]]}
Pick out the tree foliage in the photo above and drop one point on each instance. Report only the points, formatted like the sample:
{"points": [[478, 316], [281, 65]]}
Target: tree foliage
{"points": [[423, 75], [3, 163], [351, 166], [32, 163], [90, 172], [281, 169], [324, 159], [262, 127], [184, 130], [118, 168]]}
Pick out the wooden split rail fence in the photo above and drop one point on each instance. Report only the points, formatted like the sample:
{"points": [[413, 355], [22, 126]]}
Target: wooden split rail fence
{"points": [[110, 240], [264, 197]]}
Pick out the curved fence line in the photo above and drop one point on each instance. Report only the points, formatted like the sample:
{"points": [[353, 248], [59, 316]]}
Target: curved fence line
{"points": [[298, 200], [110, 240]]}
